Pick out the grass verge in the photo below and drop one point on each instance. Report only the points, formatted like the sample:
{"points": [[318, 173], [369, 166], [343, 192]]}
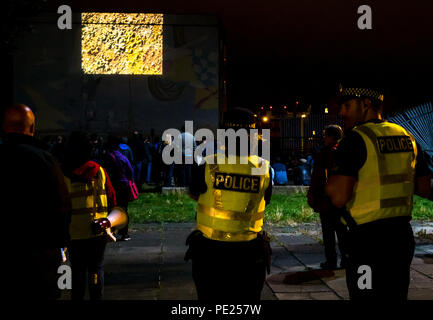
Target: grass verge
{"points": [[283, 209]]}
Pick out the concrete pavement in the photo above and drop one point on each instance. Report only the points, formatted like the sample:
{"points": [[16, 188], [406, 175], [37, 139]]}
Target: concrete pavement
{"points": [[301, 250], [151, 265]]}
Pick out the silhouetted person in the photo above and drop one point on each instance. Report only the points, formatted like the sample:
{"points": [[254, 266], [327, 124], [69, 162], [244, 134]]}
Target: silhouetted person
{"points": [[148, 158], [137, 147], [97, 147], [120, 172], [126, 150], [324, 162], [280, 172], [58, 149], [168, 169], [36, 207], [188, 147]]}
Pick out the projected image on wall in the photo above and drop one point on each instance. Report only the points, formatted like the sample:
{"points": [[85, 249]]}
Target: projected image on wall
{"points": [[121, 43]]}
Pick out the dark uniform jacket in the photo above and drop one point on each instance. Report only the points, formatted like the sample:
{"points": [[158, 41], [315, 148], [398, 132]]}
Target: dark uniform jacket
{"points": [[324, 163], [35, 200], [36, 213]]}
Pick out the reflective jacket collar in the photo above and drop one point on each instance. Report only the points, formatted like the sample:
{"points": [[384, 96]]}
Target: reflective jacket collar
{"points": [[364, 122]]}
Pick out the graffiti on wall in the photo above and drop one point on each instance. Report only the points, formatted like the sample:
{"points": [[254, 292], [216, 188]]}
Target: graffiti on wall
{"points": [[49, 77]]}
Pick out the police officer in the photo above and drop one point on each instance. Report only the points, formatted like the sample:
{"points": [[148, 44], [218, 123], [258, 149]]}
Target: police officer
{"points": [[379, 166], [93, 197], [229, 251]]}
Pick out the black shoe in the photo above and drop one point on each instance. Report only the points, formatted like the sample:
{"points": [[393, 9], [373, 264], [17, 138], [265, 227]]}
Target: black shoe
{"points": [[328, 266], [125, 237]]}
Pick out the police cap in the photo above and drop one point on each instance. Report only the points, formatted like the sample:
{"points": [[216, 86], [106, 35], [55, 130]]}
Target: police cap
{"points": [[350, 92]]}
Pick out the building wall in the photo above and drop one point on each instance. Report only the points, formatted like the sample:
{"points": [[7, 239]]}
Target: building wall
{"points": [[48, 77]]}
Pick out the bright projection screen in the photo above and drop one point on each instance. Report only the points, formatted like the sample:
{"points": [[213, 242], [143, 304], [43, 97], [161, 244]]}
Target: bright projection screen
{"points": [[121, 43]]}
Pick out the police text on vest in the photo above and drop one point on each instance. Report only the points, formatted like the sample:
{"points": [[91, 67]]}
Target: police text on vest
{"points": [[236, 182], [394, 144]]}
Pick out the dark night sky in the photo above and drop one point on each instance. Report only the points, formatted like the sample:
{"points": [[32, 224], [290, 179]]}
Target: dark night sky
{"points": [[279, 50]]}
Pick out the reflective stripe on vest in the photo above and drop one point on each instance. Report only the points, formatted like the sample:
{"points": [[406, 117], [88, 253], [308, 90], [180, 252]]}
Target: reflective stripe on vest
{"points": [[84, 193], [232, 208], [89, 202], [385, 184]]}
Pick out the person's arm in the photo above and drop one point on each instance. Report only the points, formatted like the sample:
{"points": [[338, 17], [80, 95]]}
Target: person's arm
{"points": [[317, 180], [340, 189], [129, 171], [198, 182]]}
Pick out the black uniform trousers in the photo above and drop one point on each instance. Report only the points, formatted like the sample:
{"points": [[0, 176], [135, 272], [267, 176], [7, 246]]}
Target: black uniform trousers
{"points": [[228, 271], [87, 256], [387, 247], [331, 226]]}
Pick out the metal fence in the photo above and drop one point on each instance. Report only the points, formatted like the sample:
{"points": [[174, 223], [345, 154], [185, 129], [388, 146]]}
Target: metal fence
{"points": [[419, 122], [301, 135]]}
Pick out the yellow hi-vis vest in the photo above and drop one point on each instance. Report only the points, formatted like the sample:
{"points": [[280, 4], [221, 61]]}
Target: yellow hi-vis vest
{"points": [[89, 203], [232, 208], [385, 184]]}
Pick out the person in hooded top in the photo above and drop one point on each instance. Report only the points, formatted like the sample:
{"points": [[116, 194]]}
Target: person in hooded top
{"points": [[93, 197], [121, 174]]}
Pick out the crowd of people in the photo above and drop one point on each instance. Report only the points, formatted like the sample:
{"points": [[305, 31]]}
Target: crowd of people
{"points": [[294, 170], [144, 153], [62, 195]]}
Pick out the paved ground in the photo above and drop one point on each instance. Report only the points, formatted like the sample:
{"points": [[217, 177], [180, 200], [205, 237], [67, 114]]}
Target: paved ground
{"points": [[151, 266], [300, 249]]}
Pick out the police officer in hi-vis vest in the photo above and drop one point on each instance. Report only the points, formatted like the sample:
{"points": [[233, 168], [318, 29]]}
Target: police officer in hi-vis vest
{"points": [[92, 197], [379, 168], [229, 251]]}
